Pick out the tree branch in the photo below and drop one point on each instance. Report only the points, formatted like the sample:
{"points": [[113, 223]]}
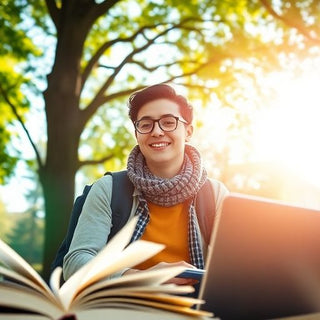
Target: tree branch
{"points": [[105, 6], [165, 65], [99, 98], [105, 98], [102, 159], [289, 22], [53, 11], [106, 67], [120, 94], [95, 162], [127, 92], [195, 70], [15, 112], [95, 58]]}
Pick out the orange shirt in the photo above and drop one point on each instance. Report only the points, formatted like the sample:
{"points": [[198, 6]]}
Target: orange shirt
{"points": [[169, 226]]}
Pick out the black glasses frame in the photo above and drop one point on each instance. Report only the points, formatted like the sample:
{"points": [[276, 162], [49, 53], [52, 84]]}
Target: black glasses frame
{"points": [[136, 124]]}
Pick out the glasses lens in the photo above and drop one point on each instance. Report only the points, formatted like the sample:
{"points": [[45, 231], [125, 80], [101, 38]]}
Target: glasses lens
{"points": [[168, 123], [144, 125]]}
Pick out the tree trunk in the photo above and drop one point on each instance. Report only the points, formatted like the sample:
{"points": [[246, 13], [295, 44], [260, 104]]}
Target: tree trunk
{"points": [[58, 174], [58, 189], [62, 96]]}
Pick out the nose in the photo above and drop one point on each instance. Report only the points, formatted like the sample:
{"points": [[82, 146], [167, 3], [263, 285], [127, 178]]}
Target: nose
{"points": [[157, 131]]}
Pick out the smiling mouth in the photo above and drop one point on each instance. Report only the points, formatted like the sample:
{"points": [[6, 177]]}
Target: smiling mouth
{"points": [[159, 145]]}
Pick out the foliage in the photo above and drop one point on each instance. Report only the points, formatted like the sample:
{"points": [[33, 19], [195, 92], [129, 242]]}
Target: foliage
{"points": [[26, 237], [5, 221], [26, 234], [16, 48]]}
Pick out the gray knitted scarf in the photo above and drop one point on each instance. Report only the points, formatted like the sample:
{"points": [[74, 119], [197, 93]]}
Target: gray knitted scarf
{"points": [[168, 192]]}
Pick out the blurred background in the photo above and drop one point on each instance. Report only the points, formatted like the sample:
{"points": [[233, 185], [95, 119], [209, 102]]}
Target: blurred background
{"points": [[251, 69]]}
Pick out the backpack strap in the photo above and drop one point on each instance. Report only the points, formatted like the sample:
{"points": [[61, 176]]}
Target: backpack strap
{"points": [[120, 205], [205, 205], [121, 200], [74, 217]]}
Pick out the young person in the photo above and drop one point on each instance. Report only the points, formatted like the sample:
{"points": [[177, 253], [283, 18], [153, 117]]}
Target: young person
{"points": [[167, 174]]}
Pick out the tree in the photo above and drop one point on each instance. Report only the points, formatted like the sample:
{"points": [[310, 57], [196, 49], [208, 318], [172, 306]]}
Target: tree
{"points": [[105, 50], [26, 237], [16, 47], [5, 222]]}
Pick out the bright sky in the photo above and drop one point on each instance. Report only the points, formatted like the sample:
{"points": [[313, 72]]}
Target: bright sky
{"points": [[289, 132]]}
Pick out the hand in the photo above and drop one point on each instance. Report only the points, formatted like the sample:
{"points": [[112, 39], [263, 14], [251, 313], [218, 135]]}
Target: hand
{"points": [[177, 281]]}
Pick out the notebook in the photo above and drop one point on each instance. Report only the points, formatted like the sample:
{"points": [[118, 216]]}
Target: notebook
{"points": [[264, 260]]}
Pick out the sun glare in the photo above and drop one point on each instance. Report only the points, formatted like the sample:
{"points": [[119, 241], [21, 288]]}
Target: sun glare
{"points": [[288, 131]]}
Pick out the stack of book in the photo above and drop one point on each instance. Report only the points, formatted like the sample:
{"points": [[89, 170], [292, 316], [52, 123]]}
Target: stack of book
{"points": [[90, 294]]}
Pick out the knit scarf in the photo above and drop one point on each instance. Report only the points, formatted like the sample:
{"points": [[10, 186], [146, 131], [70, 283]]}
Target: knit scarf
{"points": [[168, 192]]}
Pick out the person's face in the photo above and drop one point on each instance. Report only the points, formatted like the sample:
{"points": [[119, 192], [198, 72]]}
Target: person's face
{"points": [[163, 151]]}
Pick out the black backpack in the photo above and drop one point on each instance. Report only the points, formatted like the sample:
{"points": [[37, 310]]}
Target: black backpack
{"points": [[121, 207]]}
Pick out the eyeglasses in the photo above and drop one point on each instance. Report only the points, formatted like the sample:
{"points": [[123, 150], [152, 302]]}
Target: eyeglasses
{"points": [[166, 123]]}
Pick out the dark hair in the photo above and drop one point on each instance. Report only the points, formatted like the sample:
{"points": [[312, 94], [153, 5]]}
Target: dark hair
{"points": [[158, 91]]}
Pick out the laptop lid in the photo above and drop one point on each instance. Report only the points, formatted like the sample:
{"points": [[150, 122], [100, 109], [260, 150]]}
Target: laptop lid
{"points": [[264, 260]]}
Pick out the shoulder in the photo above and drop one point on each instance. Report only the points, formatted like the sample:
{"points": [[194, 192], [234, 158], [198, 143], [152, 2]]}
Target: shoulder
{"points": [[103, 182], [220, 193], [219, 189], [102, 186], [218, 186]]}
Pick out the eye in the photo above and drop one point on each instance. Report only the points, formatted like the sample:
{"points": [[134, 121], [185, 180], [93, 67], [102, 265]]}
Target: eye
{"points": [[168, 122], [144, 124]]}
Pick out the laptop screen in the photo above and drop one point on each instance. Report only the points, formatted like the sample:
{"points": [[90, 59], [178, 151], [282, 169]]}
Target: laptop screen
{"points": [[264, 260]]}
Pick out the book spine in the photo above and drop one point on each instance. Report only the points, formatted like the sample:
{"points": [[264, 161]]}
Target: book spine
{"points": [[68, 317]]}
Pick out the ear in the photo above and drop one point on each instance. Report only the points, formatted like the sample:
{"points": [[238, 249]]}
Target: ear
{"points": [[189, 132], [136, 135]]}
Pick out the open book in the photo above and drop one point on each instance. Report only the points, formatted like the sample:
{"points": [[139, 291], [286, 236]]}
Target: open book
{"points": [[88, 294]]}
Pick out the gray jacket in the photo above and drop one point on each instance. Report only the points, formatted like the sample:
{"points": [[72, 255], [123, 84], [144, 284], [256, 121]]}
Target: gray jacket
{"points": [[95, 223]]}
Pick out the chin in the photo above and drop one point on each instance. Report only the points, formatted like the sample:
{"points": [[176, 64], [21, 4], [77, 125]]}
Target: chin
{"points": [[160, 160]]}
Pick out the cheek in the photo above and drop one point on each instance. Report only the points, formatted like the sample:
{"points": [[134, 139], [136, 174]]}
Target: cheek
{"points": [[140, 138]]}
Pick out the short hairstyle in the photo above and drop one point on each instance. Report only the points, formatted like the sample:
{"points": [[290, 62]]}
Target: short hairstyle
{"points": [[158, 91]]}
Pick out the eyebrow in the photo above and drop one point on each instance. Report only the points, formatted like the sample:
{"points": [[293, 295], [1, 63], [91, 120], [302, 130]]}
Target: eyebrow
{"points": [[164, 115]]}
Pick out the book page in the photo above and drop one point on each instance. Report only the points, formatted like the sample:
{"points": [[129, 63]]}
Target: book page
{"points": [[10, 274], [139, 313], [19, 316], [116, 245], [142, 279], [112, 258], [17, 297], [135, 253], [132, 302], [55, 284], [166, 292], [15, 262], [104, 266]]}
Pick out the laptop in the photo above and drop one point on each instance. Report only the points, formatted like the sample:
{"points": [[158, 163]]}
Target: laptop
{"points": [[263, 261]]}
